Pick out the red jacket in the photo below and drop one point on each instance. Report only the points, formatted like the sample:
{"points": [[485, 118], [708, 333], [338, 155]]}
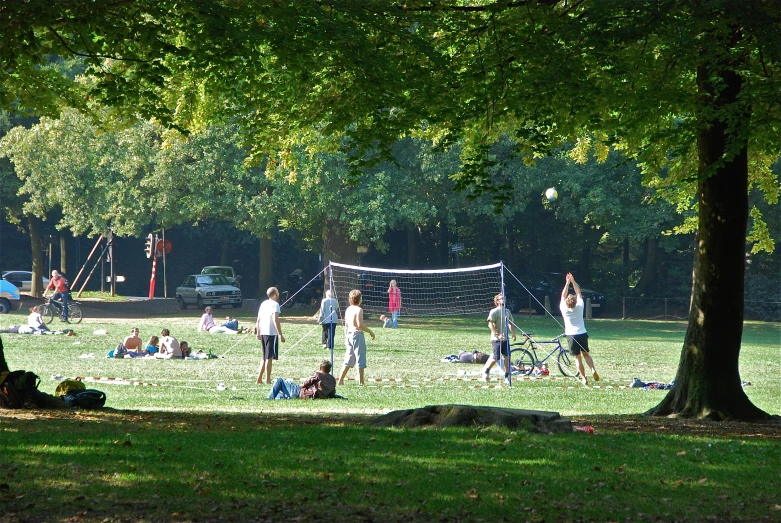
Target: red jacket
{"points": [[59, 285], [394, 299]]}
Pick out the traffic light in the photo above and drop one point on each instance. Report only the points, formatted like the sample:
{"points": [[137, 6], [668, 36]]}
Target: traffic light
{"points": [[150, 241]]}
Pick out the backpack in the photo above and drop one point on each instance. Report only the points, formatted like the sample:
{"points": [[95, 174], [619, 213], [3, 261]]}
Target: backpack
{"points": [[120, 351], [19, 389], [86, 399], [68, 385], [9, 399]]}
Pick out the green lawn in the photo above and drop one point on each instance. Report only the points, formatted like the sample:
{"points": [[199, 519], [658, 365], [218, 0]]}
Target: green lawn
{"points": [[404, 368], [177, 449]]}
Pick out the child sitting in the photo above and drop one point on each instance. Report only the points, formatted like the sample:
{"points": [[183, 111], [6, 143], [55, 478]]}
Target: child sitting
{"points": [[185, 348], [153, 345]]}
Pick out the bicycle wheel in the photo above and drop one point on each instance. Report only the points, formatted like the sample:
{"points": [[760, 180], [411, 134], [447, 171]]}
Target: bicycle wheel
{"points": [[47, 313], [521, 361], [567, 364], [74, 314]]}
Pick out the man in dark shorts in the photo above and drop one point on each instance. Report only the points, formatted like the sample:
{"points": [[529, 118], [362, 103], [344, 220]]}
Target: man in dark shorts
{"points": [[269, 332], [571, 306], [498, 319]]}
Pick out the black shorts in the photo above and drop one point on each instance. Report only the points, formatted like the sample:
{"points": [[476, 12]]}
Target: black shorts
{"points": [[499, 348], [269, 346], [577, 343]]}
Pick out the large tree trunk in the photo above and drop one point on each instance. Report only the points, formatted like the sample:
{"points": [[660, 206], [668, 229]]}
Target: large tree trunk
{"points": [[63, 253], [3, 364], [337, 247], [509, 247], [444, 244], [412, 247], [649, 266], [224, 252], [266, 266], [707, 384], [584, 266], [34, 229]]}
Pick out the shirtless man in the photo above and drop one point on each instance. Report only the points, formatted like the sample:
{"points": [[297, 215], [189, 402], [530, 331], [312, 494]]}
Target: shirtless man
{"points": [[354, 341], [133, 342], [169, 346]]}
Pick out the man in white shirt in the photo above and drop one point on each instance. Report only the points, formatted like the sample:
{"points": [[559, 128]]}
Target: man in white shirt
{"points": [[571, 306], [269, 331]]}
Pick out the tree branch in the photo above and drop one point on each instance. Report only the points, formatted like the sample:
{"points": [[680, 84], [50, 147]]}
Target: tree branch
{"points": [[91, 55]]}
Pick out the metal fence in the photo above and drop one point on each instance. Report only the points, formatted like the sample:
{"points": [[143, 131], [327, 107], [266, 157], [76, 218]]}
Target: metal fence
{"points": [[678, 309]]}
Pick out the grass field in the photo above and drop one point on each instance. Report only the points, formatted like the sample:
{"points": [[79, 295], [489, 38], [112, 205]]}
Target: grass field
{"points": [[177, 449], [404, 368]]}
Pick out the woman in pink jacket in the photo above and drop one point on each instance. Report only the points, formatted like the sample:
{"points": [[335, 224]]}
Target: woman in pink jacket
{"points": [[394, 303]]}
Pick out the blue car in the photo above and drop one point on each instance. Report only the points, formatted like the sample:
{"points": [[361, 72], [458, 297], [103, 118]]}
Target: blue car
{"points": [[10, 300]]}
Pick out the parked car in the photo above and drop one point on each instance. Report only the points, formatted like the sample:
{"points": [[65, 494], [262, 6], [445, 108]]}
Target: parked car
{"points": [[549, 284], [23, 280], [207, 289], [10, 299], [226, 270]]}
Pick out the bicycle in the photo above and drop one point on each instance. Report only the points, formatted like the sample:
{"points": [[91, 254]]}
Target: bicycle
{"points": [[525, 361], [54, 308]]}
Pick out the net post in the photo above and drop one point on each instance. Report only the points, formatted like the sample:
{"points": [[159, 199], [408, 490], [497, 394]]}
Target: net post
{"points": [[333, 326], [506, 327]]}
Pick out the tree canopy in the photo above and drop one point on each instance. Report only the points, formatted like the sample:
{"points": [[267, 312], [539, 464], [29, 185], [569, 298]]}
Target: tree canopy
{"points": [[687, 88]]}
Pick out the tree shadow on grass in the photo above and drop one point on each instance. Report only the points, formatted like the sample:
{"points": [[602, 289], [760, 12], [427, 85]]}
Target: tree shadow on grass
{"points": [[164, 466]]}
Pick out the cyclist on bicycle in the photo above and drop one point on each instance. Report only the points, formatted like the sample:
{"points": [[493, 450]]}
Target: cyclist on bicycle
{"points": [[571, 307], [59, 284]]}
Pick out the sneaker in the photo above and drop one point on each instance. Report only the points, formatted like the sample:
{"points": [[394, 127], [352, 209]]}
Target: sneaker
{"points": [[583, 380], [485, 375], [596, 376]]}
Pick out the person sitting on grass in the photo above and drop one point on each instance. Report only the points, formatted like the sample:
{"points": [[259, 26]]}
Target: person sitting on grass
{"points": [[35, 321], [185, 348], [169, 346], [207, 324], [131, 347], [133, 342], [319, 385], [153, 346]]}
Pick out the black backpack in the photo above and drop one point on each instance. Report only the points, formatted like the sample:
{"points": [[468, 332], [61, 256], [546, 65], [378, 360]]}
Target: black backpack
{"points": [[86, 399]]}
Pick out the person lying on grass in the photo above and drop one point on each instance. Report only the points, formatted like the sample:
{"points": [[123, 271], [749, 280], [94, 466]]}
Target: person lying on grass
{"points": [[319, 385]]}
